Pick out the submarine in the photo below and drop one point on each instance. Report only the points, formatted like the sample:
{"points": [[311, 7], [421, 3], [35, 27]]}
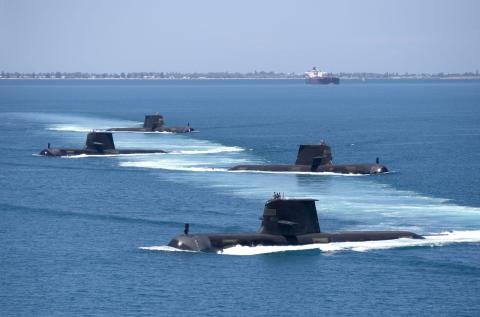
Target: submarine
{"points": [[316, 158], [285, 221], [98, 143], [155, 123]]}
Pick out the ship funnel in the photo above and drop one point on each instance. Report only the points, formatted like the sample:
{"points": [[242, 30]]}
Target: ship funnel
{"points": [[100, 141], [153, 122], [290, 217], [307, 153]]}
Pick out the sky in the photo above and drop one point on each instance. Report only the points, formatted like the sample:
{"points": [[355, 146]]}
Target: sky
{"points": [[412, 36]]}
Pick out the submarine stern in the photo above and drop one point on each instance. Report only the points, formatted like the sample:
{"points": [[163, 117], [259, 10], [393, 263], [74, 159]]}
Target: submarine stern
{"points": [[363, 169], [175, 129], [360, 236]]}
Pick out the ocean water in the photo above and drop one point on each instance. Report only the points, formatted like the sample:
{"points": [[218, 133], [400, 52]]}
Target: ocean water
{"points": [[87, 236]]}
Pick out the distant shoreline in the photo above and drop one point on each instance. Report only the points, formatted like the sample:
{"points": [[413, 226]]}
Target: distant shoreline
{"points": [[256, 75], [240, 78]]}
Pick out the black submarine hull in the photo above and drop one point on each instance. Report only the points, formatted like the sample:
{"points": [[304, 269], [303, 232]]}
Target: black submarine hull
{"points": [[73, 152], [316, 158], [285, 221], [154, 123], [218, 242], [97, 143], [170, 130], [340, 168]]}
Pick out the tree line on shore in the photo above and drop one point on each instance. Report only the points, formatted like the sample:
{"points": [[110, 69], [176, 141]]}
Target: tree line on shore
{"points": [[227, 75]]}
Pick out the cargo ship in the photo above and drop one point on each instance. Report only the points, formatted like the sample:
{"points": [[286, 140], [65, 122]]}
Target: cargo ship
{"points": [[317, 77]]}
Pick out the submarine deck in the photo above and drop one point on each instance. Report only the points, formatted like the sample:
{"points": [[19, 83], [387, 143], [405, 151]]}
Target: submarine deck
{"points": [[70, 152], [364, 168], [218, 241]]}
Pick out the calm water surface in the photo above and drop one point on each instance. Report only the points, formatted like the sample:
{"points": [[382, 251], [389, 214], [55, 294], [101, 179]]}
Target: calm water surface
{"points": [[72, 229]]}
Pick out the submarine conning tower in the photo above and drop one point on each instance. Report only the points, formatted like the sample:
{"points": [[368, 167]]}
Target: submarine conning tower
{"points": [[99, 141], [290, 217], [322, 154], [153, 122]]}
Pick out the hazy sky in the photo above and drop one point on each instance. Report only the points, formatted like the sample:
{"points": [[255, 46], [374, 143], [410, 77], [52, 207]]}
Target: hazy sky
{"points": [[204, 35]]}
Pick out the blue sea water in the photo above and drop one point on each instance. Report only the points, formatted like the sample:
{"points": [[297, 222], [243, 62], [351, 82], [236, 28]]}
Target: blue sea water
{"points": [[86, 236]]}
